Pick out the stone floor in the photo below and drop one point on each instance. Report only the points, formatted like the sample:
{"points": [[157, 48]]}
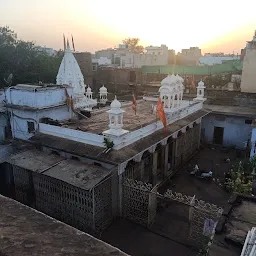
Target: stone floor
{"points": [[165, 237]]}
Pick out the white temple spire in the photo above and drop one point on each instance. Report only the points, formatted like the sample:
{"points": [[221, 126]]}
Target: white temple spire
{"points": [[70, 74]]}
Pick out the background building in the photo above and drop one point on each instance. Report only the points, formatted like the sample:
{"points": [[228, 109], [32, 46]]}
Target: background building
{"points": [[212, 59], [248, 83], [189, 57], [84, 60]]}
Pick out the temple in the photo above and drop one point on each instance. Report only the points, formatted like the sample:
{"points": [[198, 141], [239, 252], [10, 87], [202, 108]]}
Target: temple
{"points": [[70, 74], [83, 163]]}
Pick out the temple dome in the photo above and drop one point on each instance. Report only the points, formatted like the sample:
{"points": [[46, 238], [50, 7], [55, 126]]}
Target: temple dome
{"points": [[115, 104], [179, 78], [89, 89], [201, 85], [103, 89], [169, 80]]}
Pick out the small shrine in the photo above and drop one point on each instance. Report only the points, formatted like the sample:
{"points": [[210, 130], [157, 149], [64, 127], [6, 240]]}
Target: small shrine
{"points": [[115, 119], [200, 92], [88, 93], [103, 94], [171, 92]]}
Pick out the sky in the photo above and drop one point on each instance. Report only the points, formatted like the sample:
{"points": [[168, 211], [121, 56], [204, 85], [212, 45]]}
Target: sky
{"points": [[214, 26]]}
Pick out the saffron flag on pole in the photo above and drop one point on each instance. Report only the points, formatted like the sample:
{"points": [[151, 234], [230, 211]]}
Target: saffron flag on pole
{"points": [[134, 103], [161, 114]]}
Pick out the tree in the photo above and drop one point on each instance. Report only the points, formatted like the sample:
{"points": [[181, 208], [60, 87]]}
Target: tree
{"points": [[25, 61], [132, 44], [241, 177]]}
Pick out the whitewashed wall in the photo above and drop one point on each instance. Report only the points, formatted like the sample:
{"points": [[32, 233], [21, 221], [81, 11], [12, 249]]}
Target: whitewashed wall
{"points": [[236, 131], [37, 99], [19, 119], [80, 136]]}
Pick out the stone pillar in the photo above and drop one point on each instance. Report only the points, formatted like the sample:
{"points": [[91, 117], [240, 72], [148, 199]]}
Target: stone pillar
{"points": [[120, 185], [162, 160], [174, 150], [142, 168], [166, 154], [199, 139], [154, 168]]}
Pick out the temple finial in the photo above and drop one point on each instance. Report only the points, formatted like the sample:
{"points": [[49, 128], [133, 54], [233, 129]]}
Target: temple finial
{"points": [[73, 44], [68, 47], [64, 41]]}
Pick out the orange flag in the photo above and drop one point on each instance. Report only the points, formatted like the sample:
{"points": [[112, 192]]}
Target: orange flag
{"points": [[161, 114], [134, 104]]}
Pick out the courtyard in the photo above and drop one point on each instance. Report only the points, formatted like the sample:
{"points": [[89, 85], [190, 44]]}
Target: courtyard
{"points": [[170, 231]]}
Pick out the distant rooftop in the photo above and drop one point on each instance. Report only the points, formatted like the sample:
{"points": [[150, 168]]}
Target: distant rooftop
{"points": [[27, 232]]}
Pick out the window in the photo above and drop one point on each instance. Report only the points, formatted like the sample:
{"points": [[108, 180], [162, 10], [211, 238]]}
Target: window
{"points": [[31, 127], [248, 121]]}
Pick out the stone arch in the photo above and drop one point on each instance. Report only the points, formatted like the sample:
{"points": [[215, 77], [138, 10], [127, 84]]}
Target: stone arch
{"points": [[147, 158], [170, 140], [130, 170], [179, 134], [145, 154], [158, 146]]}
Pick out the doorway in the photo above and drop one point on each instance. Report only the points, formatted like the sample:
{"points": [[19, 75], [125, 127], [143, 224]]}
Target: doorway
{"points": [[218, 135]]}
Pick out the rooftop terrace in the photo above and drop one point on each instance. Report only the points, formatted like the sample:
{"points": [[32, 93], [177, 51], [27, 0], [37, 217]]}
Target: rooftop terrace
{"points": [[114, 156], [99, 121]]}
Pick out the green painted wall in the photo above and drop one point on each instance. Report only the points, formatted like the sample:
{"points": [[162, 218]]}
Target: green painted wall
{"points": [[228, 67]]}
